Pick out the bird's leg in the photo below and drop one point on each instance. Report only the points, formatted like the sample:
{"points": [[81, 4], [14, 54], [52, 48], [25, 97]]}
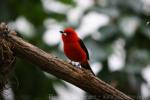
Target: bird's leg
{"points": [[78, 65], [74, 63], [71, 62]]}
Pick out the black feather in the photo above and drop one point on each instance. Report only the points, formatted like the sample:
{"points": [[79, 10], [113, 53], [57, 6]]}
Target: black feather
{"points": [[87, 67], [84, 48], [86, 64]]}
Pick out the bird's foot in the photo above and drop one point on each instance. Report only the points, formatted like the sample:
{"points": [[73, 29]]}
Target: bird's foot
{"points": [[78, 65], [71, 62]]}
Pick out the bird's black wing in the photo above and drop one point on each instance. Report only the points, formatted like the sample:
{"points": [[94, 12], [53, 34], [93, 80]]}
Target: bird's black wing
{"points": [[84, 48]]}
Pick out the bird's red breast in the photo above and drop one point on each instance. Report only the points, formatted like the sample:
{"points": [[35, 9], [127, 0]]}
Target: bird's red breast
{"points": [[74, 52]]}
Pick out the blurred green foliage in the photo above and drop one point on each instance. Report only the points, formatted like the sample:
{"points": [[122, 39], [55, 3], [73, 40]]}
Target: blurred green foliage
{"points": [[30, 83]]}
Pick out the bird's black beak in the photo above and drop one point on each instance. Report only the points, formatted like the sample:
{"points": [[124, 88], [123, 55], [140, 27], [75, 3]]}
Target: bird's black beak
{"points": [[61, 32]]}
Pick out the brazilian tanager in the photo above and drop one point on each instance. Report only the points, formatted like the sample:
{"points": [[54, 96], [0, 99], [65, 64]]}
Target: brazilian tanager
{"points": [[75, 49]]}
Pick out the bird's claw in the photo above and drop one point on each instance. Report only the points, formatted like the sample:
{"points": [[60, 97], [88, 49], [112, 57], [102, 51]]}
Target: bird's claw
{"points": [[77, 65]]}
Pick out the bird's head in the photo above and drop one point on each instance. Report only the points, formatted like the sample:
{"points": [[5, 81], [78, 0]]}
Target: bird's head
{"points": [[69, 34]]}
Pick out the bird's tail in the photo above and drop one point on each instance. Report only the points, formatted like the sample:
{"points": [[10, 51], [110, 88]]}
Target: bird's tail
{"points": [[87, 66]]}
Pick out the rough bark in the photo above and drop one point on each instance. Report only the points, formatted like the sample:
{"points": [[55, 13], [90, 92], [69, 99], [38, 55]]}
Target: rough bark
{"points": [[61, 69]]}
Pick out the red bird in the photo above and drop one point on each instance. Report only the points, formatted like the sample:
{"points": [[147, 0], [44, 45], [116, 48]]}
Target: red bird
{"points": [[75, 49]]}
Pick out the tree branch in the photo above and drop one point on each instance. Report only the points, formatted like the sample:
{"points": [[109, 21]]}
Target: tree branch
{"points": [[61, 69]]}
